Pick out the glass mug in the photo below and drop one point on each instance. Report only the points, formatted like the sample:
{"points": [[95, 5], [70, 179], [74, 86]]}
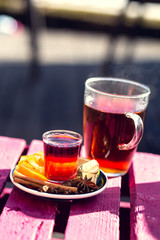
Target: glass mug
{"points": [[113, 117], [61, 153]]}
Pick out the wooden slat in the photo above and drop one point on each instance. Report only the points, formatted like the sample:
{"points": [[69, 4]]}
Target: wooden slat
{"points": [[26, 216], [10, 151], [145, 197], [35, 146], [96, 218]]}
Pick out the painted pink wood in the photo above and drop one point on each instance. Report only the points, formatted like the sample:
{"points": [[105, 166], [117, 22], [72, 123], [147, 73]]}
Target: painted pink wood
{"points": [[96, 218], [145, 197], [26, 216], [35, 146], [10, 151]]}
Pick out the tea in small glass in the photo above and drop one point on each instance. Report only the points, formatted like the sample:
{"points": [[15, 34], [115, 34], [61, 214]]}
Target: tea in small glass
{"points": [[61, 152]]}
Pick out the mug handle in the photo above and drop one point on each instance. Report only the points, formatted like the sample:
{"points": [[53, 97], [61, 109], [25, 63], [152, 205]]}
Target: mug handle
{"points": [[138, 123]]}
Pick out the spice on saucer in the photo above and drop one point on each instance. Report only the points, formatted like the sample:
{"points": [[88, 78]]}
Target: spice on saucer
{"points": [[44, 186], [84, 185]]}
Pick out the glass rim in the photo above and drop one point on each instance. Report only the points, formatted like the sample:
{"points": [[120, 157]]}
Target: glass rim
{"points": [[46, 135], [96, 79]]}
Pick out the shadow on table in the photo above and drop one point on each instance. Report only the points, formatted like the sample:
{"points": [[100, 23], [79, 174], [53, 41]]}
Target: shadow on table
{"points": [[145, 202], [3, 178], [4, 192]]}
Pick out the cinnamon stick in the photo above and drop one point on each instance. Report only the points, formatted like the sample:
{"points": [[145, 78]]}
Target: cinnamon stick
{"points": [[28, 183], [36, 183]]}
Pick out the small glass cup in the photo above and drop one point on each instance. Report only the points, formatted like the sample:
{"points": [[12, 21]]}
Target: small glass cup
{"points": [[61, 152]]}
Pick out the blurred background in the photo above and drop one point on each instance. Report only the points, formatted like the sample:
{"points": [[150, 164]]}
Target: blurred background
{"points": [[48, 48]]}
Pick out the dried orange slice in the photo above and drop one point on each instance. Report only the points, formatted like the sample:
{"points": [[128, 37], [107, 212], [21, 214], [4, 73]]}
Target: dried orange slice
{"points": [[25, 170], [36, 157], [32, 166]]}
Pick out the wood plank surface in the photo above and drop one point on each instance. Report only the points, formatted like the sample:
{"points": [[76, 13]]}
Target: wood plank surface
{"points": [[26, 216], [35, 146], [145, 197], [10, 151], [96, 218]]}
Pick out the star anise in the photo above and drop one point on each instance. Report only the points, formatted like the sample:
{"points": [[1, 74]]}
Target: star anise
{"points": [[84, 185]]}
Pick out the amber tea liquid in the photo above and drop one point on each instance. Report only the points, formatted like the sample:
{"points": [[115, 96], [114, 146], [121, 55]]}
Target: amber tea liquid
{"points": [[103, 133]]}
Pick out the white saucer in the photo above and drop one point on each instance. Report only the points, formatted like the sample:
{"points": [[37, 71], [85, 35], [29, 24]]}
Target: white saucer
{"points": [[62, 196]]}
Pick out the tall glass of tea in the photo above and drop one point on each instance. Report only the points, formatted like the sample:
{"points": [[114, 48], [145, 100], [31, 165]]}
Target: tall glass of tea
{"points": [[61, 152], [113, 118]]}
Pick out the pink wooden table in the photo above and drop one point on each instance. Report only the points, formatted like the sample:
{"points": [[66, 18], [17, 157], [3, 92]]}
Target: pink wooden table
{"points": [[105, 216]]}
